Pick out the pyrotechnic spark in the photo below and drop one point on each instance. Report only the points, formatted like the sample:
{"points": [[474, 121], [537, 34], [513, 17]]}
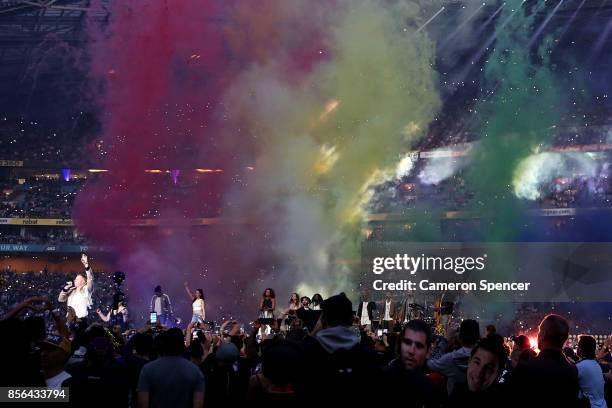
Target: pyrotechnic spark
{"points": [[358, 211], [533, 342], [328, 157], [209, 170], [329, 108]]}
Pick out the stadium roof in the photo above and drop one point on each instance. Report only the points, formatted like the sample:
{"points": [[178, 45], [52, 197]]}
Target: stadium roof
{"points": [[37, 37], [30, 32]]}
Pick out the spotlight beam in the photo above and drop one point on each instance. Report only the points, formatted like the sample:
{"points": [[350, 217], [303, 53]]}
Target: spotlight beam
{"points": [[430, 19], [542, 26]]}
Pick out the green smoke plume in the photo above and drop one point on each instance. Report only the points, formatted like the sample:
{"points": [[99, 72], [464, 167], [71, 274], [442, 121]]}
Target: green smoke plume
{"points": [[519, 118]]}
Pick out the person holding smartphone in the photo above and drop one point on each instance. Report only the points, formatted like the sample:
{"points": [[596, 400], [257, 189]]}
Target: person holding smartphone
{"points": [[117, 316], [161, 305]]}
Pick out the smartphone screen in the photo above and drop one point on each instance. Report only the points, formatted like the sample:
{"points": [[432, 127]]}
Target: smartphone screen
{"points": [[153, 317], [379, 332], [385, 331]]}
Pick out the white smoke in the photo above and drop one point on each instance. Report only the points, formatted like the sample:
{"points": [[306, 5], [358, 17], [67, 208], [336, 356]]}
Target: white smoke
{"points": [[439, 169], [539, 169]]}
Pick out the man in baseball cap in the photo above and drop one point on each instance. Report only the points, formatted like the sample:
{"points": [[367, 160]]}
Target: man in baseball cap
{"points": [[54, 352]]}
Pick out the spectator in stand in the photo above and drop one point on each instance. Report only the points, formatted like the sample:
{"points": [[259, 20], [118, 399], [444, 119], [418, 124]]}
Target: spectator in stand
{"points": [[184, 388], [406, 372], [590, 375], [280, 369], [485, 366], [222, 373], [54, 353], [136, 353], [454, 365], [521, 343], [100, 378], [549, 379]]}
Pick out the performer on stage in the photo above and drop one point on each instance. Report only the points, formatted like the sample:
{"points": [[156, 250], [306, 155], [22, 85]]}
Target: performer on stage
{"points": [[294, 304], [407, 311], [366, 309], [77, 293], [317, 301], [389, 312], [267, 305], [290, 313], [198, 305], [160, 304]]}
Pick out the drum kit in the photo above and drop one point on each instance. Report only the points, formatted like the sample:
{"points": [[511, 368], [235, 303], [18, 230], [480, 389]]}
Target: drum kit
{"points": [[437, 315]]}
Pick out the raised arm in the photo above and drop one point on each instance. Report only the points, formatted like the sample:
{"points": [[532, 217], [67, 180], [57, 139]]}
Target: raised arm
{"points": [[58, 319], [88, 272], [191, 295], [26, 304], [104, 317]]}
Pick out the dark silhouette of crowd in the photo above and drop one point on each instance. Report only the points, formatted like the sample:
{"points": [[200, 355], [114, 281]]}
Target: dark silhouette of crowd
{"points": [[266, 362]]}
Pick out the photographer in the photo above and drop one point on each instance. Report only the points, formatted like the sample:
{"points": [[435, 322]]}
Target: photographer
{"points": [[78, 293], [117, 316]]}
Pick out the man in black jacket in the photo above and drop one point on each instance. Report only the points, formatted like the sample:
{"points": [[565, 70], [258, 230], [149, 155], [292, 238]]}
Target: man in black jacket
{"points": [[365, 311], [549, 380], [338, 368]]}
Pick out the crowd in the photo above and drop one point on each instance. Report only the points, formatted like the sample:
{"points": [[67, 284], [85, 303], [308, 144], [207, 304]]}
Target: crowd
{"points": [[38, 198], [43, 197], [43, 236], [342, 356], [454, 194], [583, 191], [32, 142]]}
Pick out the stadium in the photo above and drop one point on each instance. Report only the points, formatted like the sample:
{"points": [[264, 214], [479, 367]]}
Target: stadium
{"points": [[212, 189]]}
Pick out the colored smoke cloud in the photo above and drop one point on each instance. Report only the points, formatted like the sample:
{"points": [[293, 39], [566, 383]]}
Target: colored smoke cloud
{"points": [[316, 106]]}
